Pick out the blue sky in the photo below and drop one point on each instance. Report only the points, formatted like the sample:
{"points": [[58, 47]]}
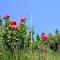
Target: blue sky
{"points": [[45, 13]]}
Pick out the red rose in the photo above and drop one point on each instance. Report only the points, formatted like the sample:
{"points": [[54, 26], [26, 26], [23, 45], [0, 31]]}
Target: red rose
{"points": [[13, 22], [45, 38], [15, 27], [23, 19], [22, 23], [6, 17], [9, 27]]}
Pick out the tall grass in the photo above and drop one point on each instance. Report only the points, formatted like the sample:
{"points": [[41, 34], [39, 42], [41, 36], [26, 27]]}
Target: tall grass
{"points": [[26, 54]]}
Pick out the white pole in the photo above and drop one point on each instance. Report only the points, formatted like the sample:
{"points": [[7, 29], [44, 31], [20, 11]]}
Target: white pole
{"points": [[31, 38], [31, 29]]}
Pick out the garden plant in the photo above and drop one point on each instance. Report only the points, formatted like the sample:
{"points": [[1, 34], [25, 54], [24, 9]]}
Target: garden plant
{"points": [[15, 42]]}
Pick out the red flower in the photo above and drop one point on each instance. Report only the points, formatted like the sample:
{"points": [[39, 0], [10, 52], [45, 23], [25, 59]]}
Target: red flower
{"points": [[23, 19], [9, 27], [13, 22], [45, 38], [22, 23], [6, 17], [15, 27]]}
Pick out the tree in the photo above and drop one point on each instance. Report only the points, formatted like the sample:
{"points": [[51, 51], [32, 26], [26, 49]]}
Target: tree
{"points": [[56, 31], [38, 37]]}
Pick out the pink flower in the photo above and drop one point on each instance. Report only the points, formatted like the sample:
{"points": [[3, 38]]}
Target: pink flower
{"points": [[10, 27], [23, 19], [15, 27], [45, 38], [6, 17], [13, 22], [22, 23]]}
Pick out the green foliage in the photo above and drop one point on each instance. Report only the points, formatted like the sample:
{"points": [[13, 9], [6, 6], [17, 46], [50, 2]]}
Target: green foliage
{"points": [[37, 37], [16, 43]]}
